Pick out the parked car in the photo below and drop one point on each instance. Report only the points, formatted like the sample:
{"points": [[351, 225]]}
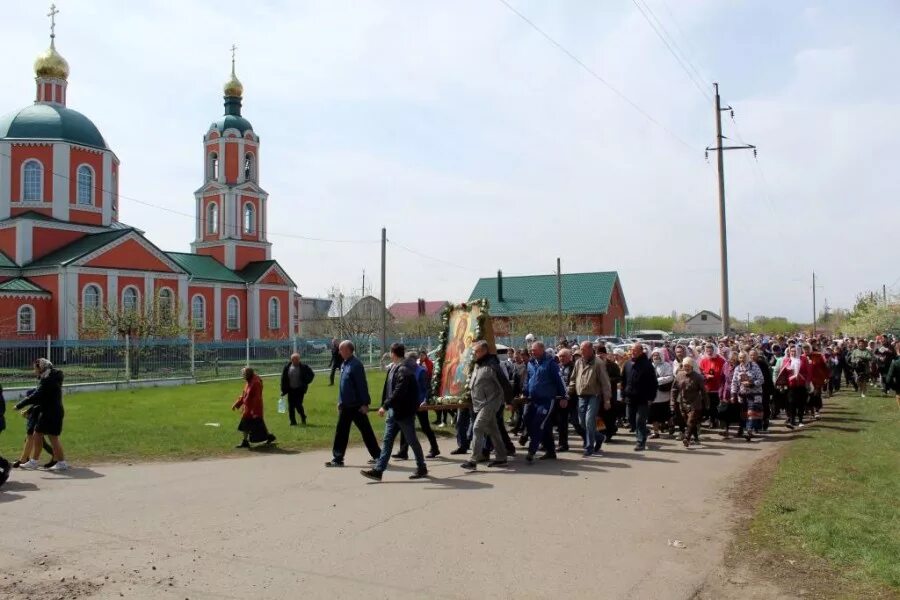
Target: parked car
{"points": [[609, 339]]}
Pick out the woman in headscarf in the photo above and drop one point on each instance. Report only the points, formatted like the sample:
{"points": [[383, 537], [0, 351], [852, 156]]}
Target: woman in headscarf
{"points": [[660, 413], [47, 401], [252, 424], [729, 409], [795, 375], [747, 387]]}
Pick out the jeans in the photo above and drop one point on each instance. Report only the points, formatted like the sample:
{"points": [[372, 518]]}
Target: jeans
{"points": [[295, 404], [539, 423], [486, 426], [640, 412], [393, 426], [587, 416], [425, 426], [464, 428], [346, 417]]}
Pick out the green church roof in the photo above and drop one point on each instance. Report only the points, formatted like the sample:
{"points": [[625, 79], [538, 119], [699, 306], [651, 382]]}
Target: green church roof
{"points": [[582, 294], [77, 249], [21, 285], [51, 122], [233, 122], [206, 268]]}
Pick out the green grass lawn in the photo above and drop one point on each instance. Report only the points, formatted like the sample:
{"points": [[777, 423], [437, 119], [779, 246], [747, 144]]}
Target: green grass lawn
{"points": [[171, 423], [835, 495]]}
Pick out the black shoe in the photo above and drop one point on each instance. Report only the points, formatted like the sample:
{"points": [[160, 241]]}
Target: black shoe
{"points": [[748, 436], [334, 463], [485, 456], [371, 474], [529, 458], [459, 451], [420, 474], [548, 456], [511, 451], [270, 440], [303, 420], [469, 466], [244, 444], [433, 454], [523, 440], [400, 456], [50, 464], [497, 463], [562, 448], [639, 447], [293, 424], [17, 464]]}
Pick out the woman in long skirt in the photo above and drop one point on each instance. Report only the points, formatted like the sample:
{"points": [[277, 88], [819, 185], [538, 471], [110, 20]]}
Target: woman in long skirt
{"points": [[252, 424]]}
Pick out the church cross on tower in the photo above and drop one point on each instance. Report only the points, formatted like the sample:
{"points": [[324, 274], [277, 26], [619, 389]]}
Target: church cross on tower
{"points": [[233, 50], [52, 14]]}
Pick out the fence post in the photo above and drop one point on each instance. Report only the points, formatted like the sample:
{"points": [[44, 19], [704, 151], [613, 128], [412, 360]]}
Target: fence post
{"points": [[127, 358], [48, 348], [193, 363], [294, 345], [248, 353]]}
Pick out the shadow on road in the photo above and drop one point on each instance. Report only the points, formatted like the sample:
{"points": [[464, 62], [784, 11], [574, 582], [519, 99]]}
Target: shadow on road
{"points": [[73, 473]]}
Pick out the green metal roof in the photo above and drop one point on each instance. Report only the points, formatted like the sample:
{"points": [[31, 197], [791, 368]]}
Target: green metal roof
{"points": [[582, 293], [205, 268], [6, 262], [254, 270], [233, 122], [77, 249], [21, 285], [51, 122]]}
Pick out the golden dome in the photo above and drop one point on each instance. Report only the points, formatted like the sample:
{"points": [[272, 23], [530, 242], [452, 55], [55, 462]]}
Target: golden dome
{"points": [[51, 64], [233, 87]]}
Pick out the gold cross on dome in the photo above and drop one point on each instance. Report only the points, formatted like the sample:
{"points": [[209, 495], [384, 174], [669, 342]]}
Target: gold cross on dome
{"points": [[52, 14], [233, 50]]}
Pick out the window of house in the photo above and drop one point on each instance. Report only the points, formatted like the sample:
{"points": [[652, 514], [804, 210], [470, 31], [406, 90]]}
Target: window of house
{"points": [[25, 319], [274, 314], [33, 181], [702, 317], [198, 313], [212, 218], [233, 314], [129, 299], [249, 218], [85, 185]]}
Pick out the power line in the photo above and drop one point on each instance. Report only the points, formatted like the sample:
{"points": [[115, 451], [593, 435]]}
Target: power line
{"points": [[595, 75], [687, 42], [429, 257], [198, 218], [644, 12]]}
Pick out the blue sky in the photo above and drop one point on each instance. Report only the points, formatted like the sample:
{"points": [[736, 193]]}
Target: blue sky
{"points": [[472, 139]]}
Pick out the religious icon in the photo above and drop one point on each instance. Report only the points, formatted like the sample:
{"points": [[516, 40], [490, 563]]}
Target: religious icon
{"points": [[464, 325]]}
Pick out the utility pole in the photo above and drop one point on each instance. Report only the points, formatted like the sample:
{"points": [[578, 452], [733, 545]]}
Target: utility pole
{"points": [[814, 304], [383, 295], [363, 292], [559, 324], [884, 292], [720, 163]]}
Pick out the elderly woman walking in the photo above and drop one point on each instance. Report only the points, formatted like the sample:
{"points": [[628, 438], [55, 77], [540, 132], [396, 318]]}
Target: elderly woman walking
{"points": [[689, 401], [250, 402], [747, 387], [660, 414]]}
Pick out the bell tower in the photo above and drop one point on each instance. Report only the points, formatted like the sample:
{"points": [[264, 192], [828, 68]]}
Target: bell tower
{"points": [[231, 206]]}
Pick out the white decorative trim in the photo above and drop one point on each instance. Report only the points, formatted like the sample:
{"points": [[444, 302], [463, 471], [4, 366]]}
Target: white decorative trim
{"points": [[90, 149], [85, 208], [230, 256], [112, 288], [25, 163], [149, 289], [51, 224], [205, 312], [240, 174], [221, 177], [19, 319], [277, 268], [62, 303], [227, 230], [228, 327], [217, 313], [26, 295], [62, 157], [242, 243], [253, 312], [24, 241], [5, 179], [108, 189], [70, 293], [185, 309]]}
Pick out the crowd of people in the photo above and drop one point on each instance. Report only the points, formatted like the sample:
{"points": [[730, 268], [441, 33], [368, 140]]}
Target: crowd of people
{"points": [[729, 386]]}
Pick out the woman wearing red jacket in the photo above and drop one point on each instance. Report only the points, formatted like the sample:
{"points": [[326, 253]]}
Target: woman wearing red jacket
{"points": [[796, 373], [252, 424], [819, 373]]}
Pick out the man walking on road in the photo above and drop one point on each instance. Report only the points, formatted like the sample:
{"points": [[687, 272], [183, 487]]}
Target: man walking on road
{"points": [[423, 381], [295, 380], [590, 383], [487, 399], [639, 388], [336, 360], [544, 386], [353, 407]]}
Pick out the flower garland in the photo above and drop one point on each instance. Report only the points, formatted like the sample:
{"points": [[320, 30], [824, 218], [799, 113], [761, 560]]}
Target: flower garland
{"points": [[444, 338]]}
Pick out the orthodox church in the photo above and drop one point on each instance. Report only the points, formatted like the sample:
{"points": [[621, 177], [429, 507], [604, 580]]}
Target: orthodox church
{"points": [[64, 252]]}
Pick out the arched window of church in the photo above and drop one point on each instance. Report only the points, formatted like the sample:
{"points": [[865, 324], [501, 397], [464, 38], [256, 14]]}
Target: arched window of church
{"points": [[274, 313], [213, 166], [91, 298], [85, 185], [248, 167], [25, 319], [166, 301], [198, 313], [233, 311], [33, 181], [249, 218], [212, 218], [130, 299]]}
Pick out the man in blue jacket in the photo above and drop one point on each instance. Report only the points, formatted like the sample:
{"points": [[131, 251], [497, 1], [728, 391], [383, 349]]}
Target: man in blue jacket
{"points": [[544, 386], [353, 407]]}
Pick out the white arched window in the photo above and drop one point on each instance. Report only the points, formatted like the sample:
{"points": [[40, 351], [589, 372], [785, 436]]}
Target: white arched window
{"points": [[91, 297], [198, 313], [212, 218], [130, 298], [32, 181], [85, 185], [249, 218], [274, 313], [213, 166], [248, 167], [233, 313], [165, 302], [25, 319]]}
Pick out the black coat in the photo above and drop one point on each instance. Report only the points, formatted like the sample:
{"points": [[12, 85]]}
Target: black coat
{"points": [[639, 381], [404, 397], [336, 359], [306, 377], [47, 397]]}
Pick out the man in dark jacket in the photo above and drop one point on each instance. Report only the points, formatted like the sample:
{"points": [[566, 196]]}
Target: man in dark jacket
{"points": [[423, 381], [400, 402], [336, 360], [295, 380], [353, 407], [544, 386], [639, 389]]}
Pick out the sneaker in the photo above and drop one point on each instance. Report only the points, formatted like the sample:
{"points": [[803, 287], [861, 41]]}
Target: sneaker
{"points": [[654, 435], [50, 464], [31, 465], [801, 425], [789, 425], [371, 474], [548, 457], [459, 451], [433, 454], [60, 466], [420, 474], [372, 461], [469, 465], [497, 463], [334, 463], [862, 395], [400, 456]]}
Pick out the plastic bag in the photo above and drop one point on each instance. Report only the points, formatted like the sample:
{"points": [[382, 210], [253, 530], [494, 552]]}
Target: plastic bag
{"points": [[282, 405]]}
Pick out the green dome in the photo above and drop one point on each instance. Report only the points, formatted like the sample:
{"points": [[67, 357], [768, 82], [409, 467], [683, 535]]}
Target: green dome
{"points": [[233, 122], [51, 122]]}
